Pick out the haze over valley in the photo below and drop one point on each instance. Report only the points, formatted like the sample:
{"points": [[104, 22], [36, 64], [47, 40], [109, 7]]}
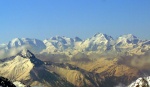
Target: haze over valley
{"points": [[74, 43], [67, 62]]}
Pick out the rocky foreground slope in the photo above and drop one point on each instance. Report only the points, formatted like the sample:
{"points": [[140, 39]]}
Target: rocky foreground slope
{"points": [[103, 72], [99, 61], [25, 67], [4, 82]]}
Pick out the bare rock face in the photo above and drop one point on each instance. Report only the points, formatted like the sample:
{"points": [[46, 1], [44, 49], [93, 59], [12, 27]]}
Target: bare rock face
{"points": [[26, 53], [29, 55], [5, 82]]}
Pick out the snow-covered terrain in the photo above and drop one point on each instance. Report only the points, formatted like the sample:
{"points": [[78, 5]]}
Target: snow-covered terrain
{"points": [[60, 44], [34, 45], [98, 43], [18, 84], [25, 41], [141, 82]]}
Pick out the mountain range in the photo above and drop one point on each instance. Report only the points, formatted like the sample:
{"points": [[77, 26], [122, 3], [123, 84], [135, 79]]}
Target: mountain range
{"points": [[99, 43], [99, 61]]}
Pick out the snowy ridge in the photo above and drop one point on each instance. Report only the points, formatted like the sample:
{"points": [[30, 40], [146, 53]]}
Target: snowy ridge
{"points": [[26, 53], [127, 39], [99, 43], [61, 42], [32, 44]]}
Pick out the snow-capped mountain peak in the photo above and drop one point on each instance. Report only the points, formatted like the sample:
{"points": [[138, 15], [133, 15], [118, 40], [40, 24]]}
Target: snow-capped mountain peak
{"points": [[129, 38], [77, 39], [15, 43], [98, 34], [34, 45], [98, 42], [102, 36], [59, 39], [59, 43], [26, 53], [15, 39]]}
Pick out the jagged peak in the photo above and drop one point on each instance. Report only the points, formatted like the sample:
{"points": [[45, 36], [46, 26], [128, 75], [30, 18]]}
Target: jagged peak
{"points": [[101, 35], [59, 37], [22, 39], [15, 40], [127, 36], [27, 38], [26, 53], [55, 37], [76, 39]]}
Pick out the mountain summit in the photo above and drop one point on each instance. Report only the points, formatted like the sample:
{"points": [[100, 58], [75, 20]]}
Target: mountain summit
{"points": [[32, 44], [103, 36], [26, 53], [99, 43], [129, 38]]}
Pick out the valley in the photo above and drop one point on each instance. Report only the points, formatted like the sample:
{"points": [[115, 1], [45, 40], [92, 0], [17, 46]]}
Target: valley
{"points": [[99, 61]]}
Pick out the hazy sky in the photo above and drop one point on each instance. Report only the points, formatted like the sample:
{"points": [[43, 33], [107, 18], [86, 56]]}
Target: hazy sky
{"points": [[46, 18]]}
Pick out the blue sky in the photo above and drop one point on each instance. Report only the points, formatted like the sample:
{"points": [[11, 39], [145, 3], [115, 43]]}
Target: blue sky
{"points": [[46, 18]]}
